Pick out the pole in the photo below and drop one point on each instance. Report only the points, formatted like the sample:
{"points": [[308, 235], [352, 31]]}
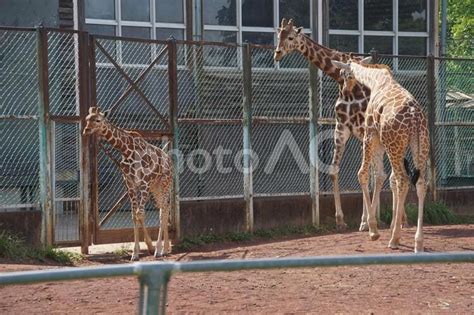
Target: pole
{"points": [[83, 40], [247, 135], [44, 125], [173, 112], [313, 143], [430, 91]]}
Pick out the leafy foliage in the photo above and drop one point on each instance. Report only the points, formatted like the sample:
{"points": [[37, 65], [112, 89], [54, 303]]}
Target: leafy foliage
{"points": [[460, 27], [434, 214], [14, 247]]}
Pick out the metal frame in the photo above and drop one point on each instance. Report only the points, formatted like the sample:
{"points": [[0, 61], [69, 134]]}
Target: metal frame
{"points": [[155, 276]]}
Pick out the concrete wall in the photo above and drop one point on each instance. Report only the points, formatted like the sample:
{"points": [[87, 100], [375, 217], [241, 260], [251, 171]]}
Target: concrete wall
{"points": [[29, 13]]}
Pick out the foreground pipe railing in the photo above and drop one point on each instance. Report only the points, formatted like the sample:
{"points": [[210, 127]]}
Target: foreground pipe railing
{"points": [[154, 276]]}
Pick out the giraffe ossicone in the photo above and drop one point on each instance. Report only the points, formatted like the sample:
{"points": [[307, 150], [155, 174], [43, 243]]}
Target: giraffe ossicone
{"points": [[146, 170]]}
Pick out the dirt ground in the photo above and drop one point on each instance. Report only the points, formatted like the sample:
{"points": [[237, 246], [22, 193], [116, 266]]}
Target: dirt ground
{"points": [[410, 289]]}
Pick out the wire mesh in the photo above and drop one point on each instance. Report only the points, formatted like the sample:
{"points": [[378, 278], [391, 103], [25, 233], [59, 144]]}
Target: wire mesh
{"points": [[281, 164], [132, 107], [19, 163], [210, 113], [455, 123], [18, 73], [63, 73], [283, 92], [66, 178]]}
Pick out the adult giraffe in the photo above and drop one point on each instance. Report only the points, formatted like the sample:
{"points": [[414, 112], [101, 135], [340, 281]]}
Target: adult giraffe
{"points": [[394, 121], [145, 169], [350, 105]]}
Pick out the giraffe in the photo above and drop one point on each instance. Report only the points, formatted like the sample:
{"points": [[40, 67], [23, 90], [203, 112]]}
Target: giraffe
{"points": [[394, 121], [146, 169], [350, 107]]}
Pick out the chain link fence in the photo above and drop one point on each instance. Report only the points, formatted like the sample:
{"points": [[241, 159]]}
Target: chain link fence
{"points": [[132, 84]]}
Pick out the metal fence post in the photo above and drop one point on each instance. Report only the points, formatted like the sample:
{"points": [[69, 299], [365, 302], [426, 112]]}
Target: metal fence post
{"points": [[247, 134], [153, 292], [430, 90], [375, 56], [173, 112], [314, 143], [44, 124], [93, 152], [83, 44]]}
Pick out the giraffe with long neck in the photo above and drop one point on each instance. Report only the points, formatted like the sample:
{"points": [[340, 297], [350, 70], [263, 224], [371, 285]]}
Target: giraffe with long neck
{"points": [[350, 105], [146, 169], [394, 121]]}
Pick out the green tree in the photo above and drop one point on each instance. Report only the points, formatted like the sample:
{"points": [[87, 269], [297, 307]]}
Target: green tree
{"points": [[460, 28]]}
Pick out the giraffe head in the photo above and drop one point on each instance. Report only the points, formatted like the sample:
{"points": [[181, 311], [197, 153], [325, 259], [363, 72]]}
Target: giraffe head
{"points": [[289, 38], [94, 121], [346, 72]]}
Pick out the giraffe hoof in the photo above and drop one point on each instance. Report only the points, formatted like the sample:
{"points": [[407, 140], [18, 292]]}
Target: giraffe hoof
{"points": [[393, 244], [341, 226], [134, 258], [374, 236], [363, 227]]}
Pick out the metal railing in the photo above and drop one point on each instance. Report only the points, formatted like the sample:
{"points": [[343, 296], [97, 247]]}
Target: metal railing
{"points": [[154, 276]]}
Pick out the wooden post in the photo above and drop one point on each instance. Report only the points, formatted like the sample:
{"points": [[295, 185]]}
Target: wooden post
{"points": [[313, 143], [247, 135], [173, 112], [44, 124], [430, 91], [93, 148], [84, 226]]}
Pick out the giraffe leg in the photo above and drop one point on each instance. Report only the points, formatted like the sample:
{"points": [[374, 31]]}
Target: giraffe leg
{"points": [[163, 199], [421, 193], [341, 135], [363, 174], [144, 196], [393, 187], [402, 190], [136, 238], [380, 175], [134, 205]]}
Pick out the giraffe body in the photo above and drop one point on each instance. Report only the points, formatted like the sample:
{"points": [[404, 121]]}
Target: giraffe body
{"points": [[146, 169], [350, 106], [394, 122]]}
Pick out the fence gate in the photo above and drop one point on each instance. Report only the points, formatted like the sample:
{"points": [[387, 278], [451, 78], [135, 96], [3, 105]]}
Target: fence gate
{"points": [[130, 80]]}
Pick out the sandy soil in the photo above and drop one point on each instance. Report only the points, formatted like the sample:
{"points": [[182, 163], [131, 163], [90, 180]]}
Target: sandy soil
{"points": [[411, 289]]}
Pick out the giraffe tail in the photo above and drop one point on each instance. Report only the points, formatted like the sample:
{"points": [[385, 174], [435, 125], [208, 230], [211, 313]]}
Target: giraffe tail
{"points": [[413, 174]]}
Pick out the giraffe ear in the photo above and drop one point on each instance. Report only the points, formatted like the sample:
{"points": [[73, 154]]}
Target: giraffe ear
{"points": [[340, 65], [299, 30], [105, 113], [366, 61]]}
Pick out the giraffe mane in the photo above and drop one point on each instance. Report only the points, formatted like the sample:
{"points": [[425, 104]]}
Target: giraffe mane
{"points": [[377, 66]]}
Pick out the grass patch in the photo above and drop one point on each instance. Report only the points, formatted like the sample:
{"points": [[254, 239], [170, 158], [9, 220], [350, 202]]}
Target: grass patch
{"points": [[434, 213], [190, 243], [14, 247], [122, 251]]}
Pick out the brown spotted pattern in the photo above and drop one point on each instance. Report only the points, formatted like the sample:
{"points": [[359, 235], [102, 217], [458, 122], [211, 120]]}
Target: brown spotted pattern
{"points": [[146, 170], [350, 106], [394, 122]]}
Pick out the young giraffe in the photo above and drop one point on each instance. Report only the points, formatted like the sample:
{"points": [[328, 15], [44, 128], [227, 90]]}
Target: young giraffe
{"points": [[394, 120], [146, 169], [350, 106]]}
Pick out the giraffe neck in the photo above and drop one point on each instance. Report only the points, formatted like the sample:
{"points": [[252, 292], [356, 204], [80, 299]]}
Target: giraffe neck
{"points": [[321, 57], [373, 78], [116, 137]]}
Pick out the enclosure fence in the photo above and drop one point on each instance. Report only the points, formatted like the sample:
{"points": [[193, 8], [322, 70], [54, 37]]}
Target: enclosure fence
{"points": [[241, 125], [154, 277]]}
